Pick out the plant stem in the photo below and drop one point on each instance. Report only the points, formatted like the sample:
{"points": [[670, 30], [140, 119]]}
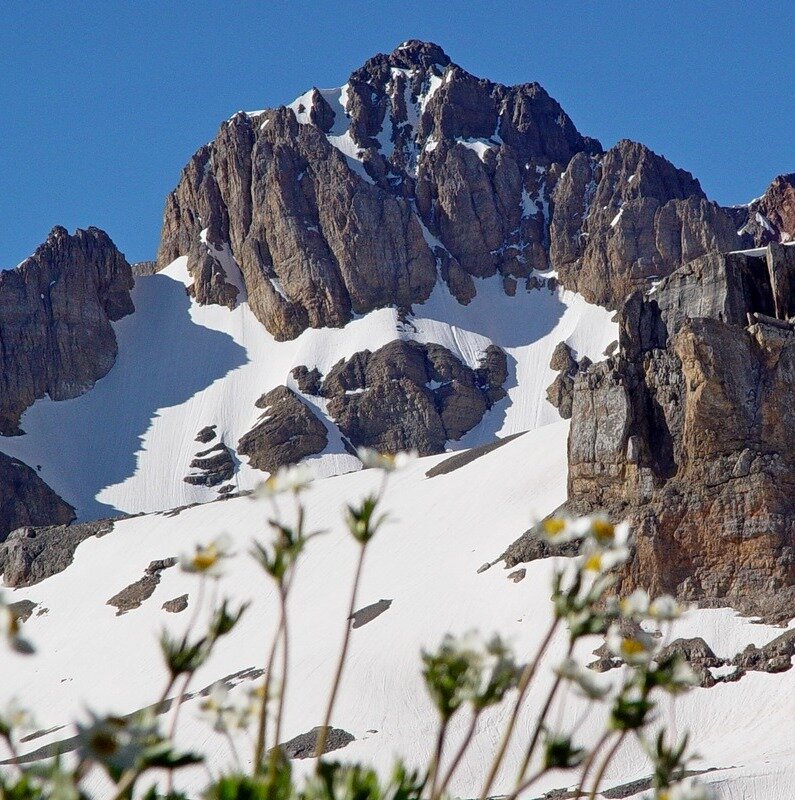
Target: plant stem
{"points": [[589, 762], [323, 734], [262, 728], [437, 755], [603, 768], [541, 719], [524, 682], [285, 664], [459, 754]]}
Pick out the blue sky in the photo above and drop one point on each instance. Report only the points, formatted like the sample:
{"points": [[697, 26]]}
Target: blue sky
{"points": [[104, 102]]}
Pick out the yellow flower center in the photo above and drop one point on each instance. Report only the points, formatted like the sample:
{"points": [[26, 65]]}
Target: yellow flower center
{"points": [[553, 526], [603, 531], [632, 647], [205, 558]]}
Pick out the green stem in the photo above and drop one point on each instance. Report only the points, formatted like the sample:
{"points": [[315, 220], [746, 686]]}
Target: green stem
{"points": [[541, 719], [285, 664], [459, 754], [589, 762], [262, 728], [524, 683], [437, 755]]}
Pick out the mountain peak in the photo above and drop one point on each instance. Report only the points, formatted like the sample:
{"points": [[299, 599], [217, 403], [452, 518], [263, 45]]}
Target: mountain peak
{"points": [[415, 52]]}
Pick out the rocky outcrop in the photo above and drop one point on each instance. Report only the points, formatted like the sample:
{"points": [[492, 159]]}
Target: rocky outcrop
{"points": [[689, 431], [30, 555], [55, 313], [411, 396], [26, 500], [628, 216], [561, 391], [212, 466], [771, 218], [132, 596], [287, 431]]}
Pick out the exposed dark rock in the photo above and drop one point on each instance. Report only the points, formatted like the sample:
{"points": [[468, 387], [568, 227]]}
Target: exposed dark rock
{"points": [[133, 596], [689, 433], [214, 466], [206, 434], [318, 235], [468, 456], [308, 380], [771, 218], [305, 744], [287, 431], [141, 269], [26, 500], [408, 396], [56, 310], [22, 609], [176, 605], [776, 656], [30, 555], [517, 575], [530, 547], [369, 613]]}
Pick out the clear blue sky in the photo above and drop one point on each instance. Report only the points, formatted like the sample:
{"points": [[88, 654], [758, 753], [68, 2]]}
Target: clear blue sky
{"points": [[103, 102]]}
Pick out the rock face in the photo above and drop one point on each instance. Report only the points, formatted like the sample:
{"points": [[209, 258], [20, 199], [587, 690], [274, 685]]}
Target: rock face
{"points": [[690, 432], [771, 218], [627, 216], [26, 500], [351, 199], [288, 431], [30, 555], [132, 596], [55, 313], [411, 396]]}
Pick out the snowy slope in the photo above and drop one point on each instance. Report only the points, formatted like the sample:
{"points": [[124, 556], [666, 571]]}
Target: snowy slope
{"points": [[425, 562], [126, 445]]}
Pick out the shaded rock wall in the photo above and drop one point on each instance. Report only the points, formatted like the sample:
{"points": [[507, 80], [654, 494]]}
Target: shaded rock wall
{"points": [[55, 313], [25, 499]]}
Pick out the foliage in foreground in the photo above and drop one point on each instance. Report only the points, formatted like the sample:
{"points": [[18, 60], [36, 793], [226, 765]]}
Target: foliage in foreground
{"points": [[463, 675]]}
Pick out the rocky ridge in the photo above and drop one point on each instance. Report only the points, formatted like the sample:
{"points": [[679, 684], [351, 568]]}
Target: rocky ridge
{"points": [[355, 198]]}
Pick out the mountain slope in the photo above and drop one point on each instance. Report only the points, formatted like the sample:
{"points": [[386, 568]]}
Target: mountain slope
{"points": [[425, 565]]}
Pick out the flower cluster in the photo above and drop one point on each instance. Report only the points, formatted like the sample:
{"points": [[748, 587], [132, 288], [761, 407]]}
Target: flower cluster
{"points": [[372, 459], [294, 479], [467, 670]]}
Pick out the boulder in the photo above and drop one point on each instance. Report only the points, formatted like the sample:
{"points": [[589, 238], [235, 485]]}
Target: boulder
{"points": [[287, 431]]}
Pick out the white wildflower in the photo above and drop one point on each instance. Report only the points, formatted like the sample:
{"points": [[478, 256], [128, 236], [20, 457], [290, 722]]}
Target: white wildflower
{"points": [[372, 459], [665, 609], [635, 649], [206, 559], [585, 681]]}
